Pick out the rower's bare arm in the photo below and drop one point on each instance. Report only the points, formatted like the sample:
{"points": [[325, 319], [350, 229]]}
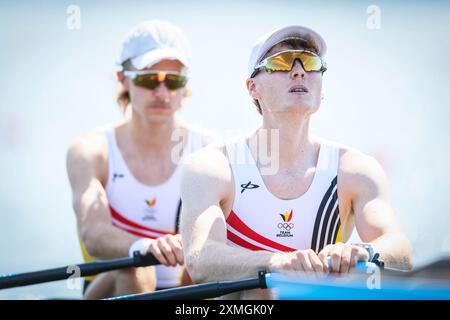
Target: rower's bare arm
{"points": [[206, 185], [85, 167], [365, 182]]}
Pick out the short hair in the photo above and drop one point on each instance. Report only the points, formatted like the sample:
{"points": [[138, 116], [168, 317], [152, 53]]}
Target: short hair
{"points": [[295, 44]]}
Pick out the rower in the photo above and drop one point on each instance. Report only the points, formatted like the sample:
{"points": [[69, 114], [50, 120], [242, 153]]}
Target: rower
{"points": [[293, 212], [125, 176]]}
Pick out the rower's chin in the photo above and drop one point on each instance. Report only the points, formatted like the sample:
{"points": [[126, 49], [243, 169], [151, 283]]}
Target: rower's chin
{"points": [[159, 117], [299, 107]]}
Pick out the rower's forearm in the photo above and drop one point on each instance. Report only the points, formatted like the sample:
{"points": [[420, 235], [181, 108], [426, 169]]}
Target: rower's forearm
{"points": [[107, 241], [217, 261], [394, 250], [100, 237]]}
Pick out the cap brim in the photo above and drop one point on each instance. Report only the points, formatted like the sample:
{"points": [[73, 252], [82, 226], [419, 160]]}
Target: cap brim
{"points": [[148, 59]]}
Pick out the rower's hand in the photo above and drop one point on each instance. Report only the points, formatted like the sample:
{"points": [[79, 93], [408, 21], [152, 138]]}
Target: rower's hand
{"points": [[168, 250], [343, 257], [306, 261]]}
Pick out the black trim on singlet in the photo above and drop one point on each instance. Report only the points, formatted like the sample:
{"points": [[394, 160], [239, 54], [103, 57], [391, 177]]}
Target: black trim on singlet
{"points": [[177, 219], [326, 219], [334, 227], [318, 241]]}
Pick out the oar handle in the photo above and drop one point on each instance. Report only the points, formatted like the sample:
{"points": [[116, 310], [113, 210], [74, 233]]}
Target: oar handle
{"points": [[361, 266], [144, 261]]}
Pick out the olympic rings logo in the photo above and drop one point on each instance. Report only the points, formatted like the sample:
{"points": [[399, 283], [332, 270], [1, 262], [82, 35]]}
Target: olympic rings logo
{"points": [[286, 226]]}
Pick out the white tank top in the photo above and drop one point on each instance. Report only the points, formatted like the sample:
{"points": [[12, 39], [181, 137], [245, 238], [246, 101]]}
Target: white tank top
{"points": [[143, 210], [261, 221]]}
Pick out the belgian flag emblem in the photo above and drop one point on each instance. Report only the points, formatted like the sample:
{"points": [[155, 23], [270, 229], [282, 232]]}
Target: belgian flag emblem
{"points": [[287, 216], [151, 202]]}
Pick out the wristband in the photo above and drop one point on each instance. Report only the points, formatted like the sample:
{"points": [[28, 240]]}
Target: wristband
{"points": [[140, 245]]}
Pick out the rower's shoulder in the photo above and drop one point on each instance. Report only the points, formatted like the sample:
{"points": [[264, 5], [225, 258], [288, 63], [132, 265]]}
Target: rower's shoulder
{"points": [[206, 172], [208, 160], [90, 146], [356, 163], [357, 169], [202, 136], [347, 155], [215, 154]]}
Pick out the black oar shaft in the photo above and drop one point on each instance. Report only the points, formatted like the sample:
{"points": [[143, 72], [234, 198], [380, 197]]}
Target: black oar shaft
{"points": [[201, 291], [81, 270]]}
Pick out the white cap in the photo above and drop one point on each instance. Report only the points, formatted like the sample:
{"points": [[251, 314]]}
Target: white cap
{"points": [[271, 39], [152, 41]]}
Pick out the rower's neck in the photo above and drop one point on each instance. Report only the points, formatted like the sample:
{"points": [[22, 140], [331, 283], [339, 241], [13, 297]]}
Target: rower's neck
{"points": [[151, 136], [295, 143]]}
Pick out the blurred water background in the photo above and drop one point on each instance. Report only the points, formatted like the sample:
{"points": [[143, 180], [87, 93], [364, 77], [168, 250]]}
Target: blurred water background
{"points": [[386, 93]]}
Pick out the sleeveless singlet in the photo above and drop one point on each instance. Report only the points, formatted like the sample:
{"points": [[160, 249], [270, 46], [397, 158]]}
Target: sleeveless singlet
{"points": [[261, 221], [148, 211]]}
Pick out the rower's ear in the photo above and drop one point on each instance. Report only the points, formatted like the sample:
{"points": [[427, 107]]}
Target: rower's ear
{"points": [[122, 79], [187, 92], [252, 89]]}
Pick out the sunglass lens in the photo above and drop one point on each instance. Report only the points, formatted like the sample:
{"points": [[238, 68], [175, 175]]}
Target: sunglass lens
{"points": [[281, 62], [174, 82], [311, 62], [149, 81], [285, 61]]}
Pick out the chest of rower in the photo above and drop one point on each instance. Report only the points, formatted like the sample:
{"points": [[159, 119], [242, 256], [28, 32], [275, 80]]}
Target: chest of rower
{"points": [[289, 184], [150, 170], [293, 184]]}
